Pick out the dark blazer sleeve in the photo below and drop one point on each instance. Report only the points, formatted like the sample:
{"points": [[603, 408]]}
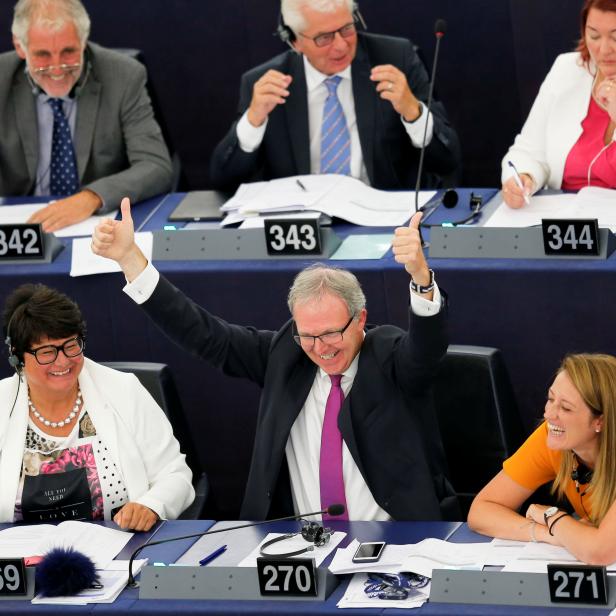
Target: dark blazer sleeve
{"points": [[128, 155], [391, 157], [230, 165], [236, 350], [443, 152]]}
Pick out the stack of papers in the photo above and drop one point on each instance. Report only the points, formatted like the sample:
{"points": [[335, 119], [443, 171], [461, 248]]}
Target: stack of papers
{"points": [[113, 579], [430, 554], [589, 202], [99, 543], [335, 195]]}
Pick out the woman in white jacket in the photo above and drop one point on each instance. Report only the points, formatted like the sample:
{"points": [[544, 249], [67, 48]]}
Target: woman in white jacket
{"points": [[568, 139], [78, 440]]}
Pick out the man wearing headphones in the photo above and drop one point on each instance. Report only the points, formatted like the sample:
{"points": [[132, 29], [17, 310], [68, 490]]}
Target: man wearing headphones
{"points": [[75, 118], [341, 101]]}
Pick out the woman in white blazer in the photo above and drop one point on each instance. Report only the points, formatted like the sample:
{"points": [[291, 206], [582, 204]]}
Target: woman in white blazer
{"points": [[567, 140], [77, 439]]}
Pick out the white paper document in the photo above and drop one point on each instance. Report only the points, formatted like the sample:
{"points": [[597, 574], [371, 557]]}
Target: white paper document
{"points": [[85, 263], [589, 202], [390, 562], [356, 596], [297, 542], [113, 580], [99, 543], [14, 214], [335, 195]]}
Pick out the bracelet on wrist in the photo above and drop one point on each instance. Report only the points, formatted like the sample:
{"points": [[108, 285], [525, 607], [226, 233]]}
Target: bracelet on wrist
{"points": [[417, 288], [560, 517], [533, 525]]}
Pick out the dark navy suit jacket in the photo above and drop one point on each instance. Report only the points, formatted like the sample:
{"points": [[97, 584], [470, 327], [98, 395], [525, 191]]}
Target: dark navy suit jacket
{"points": [[389, 156], [387, 420]]}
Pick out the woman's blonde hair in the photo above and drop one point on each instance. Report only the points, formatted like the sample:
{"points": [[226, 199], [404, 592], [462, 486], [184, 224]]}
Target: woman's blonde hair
{"points": [[594, 377]]}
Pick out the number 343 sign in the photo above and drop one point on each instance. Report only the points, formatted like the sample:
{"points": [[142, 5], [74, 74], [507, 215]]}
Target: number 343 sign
{"points": [[292, 236]]}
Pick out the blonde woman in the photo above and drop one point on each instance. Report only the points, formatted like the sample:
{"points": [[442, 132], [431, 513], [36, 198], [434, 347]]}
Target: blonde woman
{"points": [[573, 448]]}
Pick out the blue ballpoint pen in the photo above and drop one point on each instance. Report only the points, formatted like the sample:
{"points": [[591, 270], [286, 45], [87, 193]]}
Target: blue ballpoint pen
{"points": [[210, 557]]}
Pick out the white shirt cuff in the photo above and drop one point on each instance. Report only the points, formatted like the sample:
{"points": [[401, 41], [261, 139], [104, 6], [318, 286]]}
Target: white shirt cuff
{"points": [[140, 290], [249, 137], [415, 130], [423, 307]]}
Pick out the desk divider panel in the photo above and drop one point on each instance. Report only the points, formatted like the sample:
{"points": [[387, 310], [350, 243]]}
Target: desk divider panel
{"points": [[502, 588], [226, 244], [234, 583], [503, 243]]}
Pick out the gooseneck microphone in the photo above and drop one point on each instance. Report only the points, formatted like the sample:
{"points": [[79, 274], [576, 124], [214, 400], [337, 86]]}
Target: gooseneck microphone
{"points": [[333, 510], [440, 28]]}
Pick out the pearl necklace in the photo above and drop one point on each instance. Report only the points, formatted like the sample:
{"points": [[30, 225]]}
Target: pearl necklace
{"points": [[57, 424]]}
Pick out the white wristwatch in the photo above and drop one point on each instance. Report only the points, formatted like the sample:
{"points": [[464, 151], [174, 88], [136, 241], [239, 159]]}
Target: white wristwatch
{"points": [[548, 513]]}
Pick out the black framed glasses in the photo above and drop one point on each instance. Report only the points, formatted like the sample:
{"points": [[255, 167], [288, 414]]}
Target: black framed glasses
{"points": [[307, 342], [327, 38], [48, 353]]}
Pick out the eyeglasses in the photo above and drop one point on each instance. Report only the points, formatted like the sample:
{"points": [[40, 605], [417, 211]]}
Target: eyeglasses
{"points": [[307, 342], [47, 354], [327, 38], [65, 68]]}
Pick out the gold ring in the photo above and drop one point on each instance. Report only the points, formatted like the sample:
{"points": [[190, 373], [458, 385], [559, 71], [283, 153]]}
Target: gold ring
{"points": [[390, 86]]}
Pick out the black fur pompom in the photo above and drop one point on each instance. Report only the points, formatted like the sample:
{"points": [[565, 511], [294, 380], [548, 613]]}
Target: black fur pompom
{"points": [[64, 572]]}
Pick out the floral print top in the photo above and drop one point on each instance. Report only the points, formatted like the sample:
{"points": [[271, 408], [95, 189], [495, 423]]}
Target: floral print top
{"points": [[68, 478]]}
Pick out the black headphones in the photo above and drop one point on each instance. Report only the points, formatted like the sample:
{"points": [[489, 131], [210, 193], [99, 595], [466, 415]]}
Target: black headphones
{"points": [[450, 200], [14, 360], [311, 531], [287, 36], [581, 474]]}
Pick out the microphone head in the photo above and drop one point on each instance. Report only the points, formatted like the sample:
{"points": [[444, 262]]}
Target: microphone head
{"points": [[440, 27], [450, 198], [64, 572], [335, 510]]}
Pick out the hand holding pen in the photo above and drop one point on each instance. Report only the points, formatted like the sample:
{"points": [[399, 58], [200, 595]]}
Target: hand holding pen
{"points": [[517, 188]]}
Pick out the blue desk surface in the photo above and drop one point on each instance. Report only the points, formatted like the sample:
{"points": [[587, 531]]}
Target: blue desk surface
{"points": [[398, 532]]}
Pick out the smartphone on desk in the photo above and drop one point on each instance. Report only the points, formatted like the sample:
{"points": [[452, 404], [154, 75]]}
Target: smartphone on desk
{"points": [[369, 552]]}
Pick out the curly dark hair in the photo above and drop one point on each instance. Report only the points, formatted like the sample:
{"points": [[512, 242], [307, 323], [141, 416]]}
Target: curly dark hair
{"points": [[33, 311]]}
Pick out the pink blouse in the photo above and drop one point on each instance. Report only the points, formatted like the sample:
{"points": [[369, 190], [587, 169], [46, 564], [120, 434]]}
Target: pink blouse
{"points": [[587, 147]]}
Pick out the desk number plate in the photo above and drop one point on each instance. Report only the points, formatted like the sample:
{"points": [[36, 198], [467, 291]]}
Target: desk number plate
{"points": [[13, 579], [571, 237], [297, 236], [577, 584], [19, 241], [287, 577]]}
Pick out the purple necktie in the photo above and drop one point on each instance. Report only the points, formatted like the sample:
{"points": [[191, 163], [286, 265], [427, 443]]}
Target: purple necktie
{"points": [[330, 463]]}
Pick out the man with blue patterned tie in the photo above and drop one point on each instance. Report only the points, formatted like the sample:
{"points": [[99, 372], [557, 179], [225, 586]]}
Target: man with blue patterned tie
{"points": [[75, 118], [378, 105]]}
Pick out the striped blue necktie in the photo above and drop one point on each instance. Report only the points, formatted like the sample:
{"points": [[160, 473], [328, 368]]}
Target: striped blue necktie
{"points": [[63, 178], [335, 138]]}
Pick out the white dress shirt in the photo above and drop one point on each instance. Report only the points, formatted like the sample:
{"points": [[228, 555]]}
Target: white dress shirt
{"points": [[304, 443], [250, 137]]}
